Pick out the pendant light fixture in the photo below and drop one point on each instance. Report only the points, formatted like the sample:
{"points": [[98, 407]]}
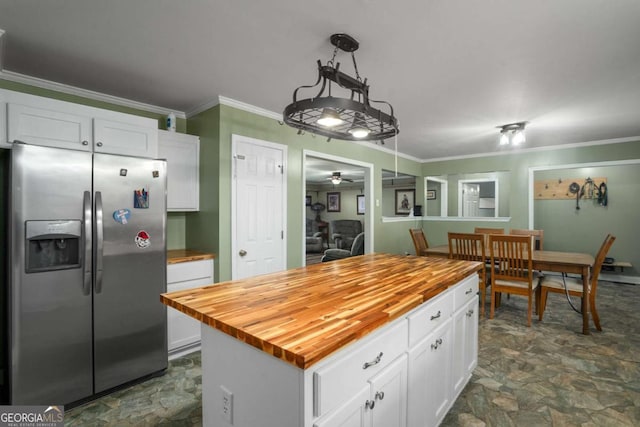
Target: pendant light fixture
{"points": [[512, 133], [350, 117]]}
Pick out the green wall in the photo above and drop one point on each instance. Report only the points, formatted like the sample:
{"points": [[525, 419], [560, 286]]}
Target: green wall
{"points": [[570, 229], [565, 230]]}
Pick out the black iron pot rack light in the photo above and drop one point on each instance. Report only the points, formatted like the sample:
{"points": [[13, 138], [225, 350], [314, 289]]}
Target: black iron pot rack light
{"points": [[355, 112]]}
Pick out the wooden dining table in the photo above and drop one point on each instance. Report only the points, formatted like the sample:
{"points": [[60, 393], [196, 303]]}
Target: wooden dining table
{"points": [[556, 261]]}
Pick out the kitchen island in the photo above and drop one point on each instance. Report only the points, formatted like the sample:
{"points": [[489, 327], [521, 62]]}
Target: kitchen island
{"points": [[332, 342]]}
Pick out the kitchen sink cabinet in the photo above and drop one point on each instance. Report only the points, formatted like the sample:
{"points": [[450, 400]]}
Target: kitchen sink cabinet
{"points": [[182, 153], [183, 332], [48, 122]]}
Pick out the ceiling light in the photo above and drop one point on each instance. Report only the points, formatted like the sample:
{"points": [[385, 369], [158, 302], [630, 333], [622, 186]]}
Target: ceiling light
{"points": [[358, 119], [336, 180], [518, 137], [329, 118], [512, 133], [359, 129]]}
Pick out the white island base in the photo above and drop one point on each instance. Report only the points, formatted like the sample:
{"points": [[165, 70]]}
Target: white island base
{"points": [[407, 373]]}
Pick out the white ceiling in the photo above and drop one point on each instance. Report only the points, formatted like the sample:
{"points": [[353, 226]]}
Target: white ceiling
{"points": [[453, 69]]}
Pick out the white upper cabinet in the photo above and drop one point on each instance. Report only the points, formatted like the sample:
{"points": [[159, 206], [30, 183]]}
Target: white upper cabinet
{"points": [[114, 137], [43, 121], [182, 153], [48, 127]]}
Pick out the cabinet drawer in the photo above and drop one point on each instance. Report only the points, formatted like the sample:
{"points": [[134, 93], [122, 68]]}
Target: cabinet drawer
{"points": [[336, 382], [435, 313], [465, 291], [192, 270]]}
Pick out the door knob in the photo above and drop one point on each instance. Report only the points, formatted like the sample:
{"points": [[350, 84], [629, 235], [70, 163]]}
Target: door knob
{"points": [[242, 252]]}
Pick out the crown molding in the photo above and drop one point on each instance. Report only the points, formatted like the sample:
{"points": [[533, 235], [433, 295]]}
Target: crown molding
{"points": [[537, 149], [84, 93]]}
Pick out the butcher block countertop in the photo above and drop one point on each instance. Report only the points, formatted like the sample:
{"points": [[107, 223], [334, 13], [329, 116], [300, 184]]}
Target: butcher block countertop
{"points": [[175, 256], [305, 314]]}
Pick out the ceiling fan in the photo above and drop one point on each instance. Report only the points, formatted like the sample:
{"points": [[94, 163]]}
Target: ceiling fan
{"points": [[337, 179]]}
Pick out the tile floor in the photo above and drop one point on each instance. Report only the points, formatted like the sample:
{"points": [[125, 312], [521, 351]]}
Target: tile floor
{"points": [[546, 375]]}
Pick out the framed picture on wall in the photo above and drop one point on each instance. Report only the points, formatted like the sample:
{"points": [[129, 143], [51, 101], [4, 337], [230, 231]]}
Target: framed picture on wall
{"points": [[405, 201], [360, 204], [431, 194], [333, 202], [307, 200]]}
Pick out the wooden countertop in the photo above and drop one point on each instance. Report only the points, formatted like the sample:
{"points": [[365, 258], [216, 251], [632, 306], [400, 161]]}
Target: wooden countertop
{"points": [[175, 256], [304, 314]]}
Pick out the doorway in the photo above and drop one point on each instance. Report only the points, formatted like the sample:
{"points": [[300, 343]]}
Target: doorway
{"points": [[354, 193]]}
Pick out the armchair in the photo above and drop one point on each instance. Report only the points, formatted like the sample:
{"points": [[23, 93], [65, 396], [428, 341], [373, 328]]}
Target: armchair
{"points": [[313, 236], [344, 231], [357, 248]]}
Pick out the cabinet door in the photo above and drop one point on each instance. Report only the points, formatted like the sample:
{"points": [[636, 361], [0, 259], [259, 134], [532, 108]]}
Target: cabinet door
{"points": [[389, 392], [471, 336], [125, 139], [354, 413], [50, 128], [182, 153], [429, 395], [182, 330], [465, 347]]}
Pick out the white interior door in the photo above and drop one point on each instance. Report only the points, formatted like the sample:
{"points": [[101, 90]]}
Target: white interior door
{"points": [[259, 207], [471, 199]]}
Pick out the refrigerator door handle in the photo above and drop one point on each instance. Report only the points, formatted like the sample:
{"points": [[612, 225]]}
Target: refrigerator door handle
{"points": [[86, 219], [99, 233]]}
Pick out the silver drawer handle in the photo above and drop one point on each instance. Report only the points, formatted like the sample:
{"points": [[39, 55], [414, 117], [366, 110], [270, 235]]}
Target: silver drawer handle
{"points": [[437, 316], [470, 313], [99, 144], [436, 344], [469, 291], [373, 362], [379, 395], [369, 404]]}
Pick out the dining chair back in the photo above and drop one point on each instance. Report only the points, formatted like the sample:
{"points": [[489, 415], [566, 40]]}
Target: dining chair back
{"points": [[470, 247], [419, 241], [574, 287], [511, 260], [538, 243], [486, 232]]}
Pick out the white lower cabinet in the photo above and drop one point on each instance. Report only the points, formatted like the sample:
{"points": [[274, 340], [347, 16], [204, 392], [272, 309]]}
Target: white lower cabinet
{"points": [[465, 332], [382, 402], [183, 332], [388, 399], [430, 378], [354, 413], [406, 374]]}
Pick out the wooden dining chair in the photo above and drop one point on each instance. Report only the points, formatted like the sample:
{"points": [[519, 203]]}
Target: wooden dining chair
{"points": [[484, 230], [538, 235], [488, 231], [419, 241], [512, 270], [470, 247], [574, 285]]}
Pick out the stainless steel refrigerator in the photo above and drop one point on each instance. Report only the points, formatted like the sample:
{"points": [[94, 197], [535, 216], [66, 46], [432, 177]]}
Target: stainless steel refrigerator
{"points": [[87, 266]]}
